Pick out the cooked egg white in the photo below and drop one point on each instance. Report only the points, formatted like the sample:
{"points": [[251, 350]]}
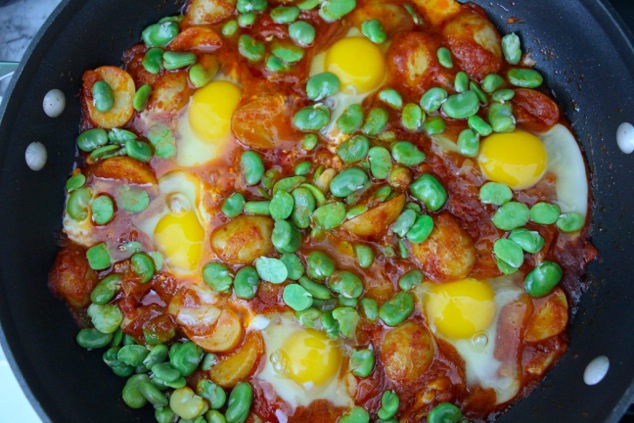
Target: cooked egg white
{"points": [[302, 365], [465, 313]]}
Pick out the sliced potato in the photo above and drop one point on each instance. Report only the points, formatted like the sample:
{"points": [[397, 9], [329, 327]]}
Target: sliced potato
{"points": [[125, 169], [394, 18], [375, 221], [170, 93], [243, 239], [448, 253], [123, 88], [412, 61], [71, 277], [407, 352], [435, 12], [228, 372], [226, 335], [263, 122], [549, 318], [202, 12], [197, 38]]}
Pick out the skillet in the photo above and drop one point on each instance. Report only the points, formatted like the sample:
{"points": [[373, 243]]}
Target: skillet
{"points": [[579, 46]]}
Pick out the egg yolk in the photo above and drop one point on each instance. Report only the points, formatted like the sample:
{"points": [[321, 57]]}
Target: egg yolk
{"points": [[179, 237], [357, 62], [211, 110], [461, 308], [517, 159], [310, 357]]}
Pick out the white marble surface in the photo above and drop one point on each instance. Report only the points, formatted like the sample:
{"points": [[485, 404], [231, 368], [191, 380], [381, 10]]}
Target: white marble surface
{"points": [[19, 22]]}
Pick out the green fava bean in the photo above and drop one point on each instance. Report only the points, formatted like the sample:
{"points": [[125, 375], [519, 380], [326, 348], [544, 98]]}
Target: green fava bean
{"points": [[348, 182], [160, 34], [218, 277], [365, 255], [410, 279], [389, 405], [271, 269], [412, 117], [288, 184], [164, 415], [445, 413], [131, 395], [503, 95], [512, 48], [304, 207], [158, 354], [162, 139], [252, 167], [139, 150], [570, 222], [510, 216], [375, 121], [246, 6], [461, 106], [311, 118], [297, 297], [407, 154], [473, 86], [201, 76], [545, 213], [245, 284], [106, 289], [153, 395], [319, 265], [362, 362], [397, 309], [354, 150], [105, 152], [302, 33], [285, 15], [102, 96], [245, 20], [530, 241], [346, 284], [461, 82], [91, 338], [118, 368], [348, 319], [141, 97], [434, 125], [132, 355], [293, 265], [285, 237], [356, 415], [307, 318], [315, 289], [444, 57], [495, 193], [257, 207], [239, 403], [186, 358], [303, 168], [392, 98], [105, 318], [322, 85], [329, 216], [356, 211], [165, 372], [351, 119], [433, 99], [468, 143], [330, 325], [175, 59], [309, 142], [153, 60], [309, 4], [542, 279], [289, 53], [132, 199], [92, 139], [374, 31], [251, 49], [187, 405], [98, 256], [404, 223], [75, 182], [501, 117], [525, 78], [492, 82], [143, 266], [216, 396], [480, 126], [215, 416], [380, 163], [281, 205], [428, 190], [230, 28], [78, 203], [333, 10], [370, 308], [421, 229], [509, 252], [233, 205]]}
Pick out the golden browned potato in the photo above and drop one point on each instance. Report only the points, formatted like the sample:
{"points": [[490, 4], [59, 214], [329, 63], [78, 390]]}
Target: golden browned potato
{"points": [[226, 335], [263, 122], [474, 43], [125, 169], [448, 253], [170, 93], [123, 89], [201, 12], [549, 318], [375, 221], [197, 38], [71, 278], [240, 365], [407, 352], [394, 18], [435, 12], [243, 239]]}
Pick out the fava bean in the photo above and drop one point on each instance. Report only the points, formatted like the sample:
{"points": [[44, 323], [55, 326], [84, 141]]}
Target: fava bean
{"points": [[152, 395], [461, 82], [421, 229], [322, 85], [407, 154], [257, 207], [492, 82], [509, 252], [348, 319], [162, 139], [200, 76], [106, 289], [105, 152], [320, 199], [503, 95], [444, 413], [364, 254], [479, 125], [473, 86], [307, 318], [285, 237], [428, 190], [370, 308], [311, 118], [570, 222], [118, 368], [545, 213], [392, 98], [239, 404], [288, 184], [132, 199], [91, 338], [351, 119], [434, 125], [397, 309], [389, 405], [375, 121], [329, 216], [284, 15], [233, 205], [297, 297], [131, 395], [332, 10], [213, 393], [410, 279], [75, 182], [304, 207], [412, 117], [186, 404], [245, 20], [78, 203], [512, 48], [461, 106], [143, 266], [271, 269], [356, 415], [315, 289], [186, 358], [433, 99], [164, 415], [289, 53], [542, 279], [138, 150], [281, 205], [102, 96], [105, 318], [160, 34], [246, 6], [230, 28], [158, 354], [98, 256], [309, 141], [468, 143], [141, 97], [354, 150], [251, 49], [293, 265], [530, 241], [356, 211], [525, 78], [346, 284], [495, 193], [218, 277], [374, 31], [501, 117], [444, 57], [153, 60], [319, 265], [92, 139], [510, 216], [404, 223], [302, 33], [380, 163], [132, 355], [348, 181], [416, 18], [362, 362], [175, 59], [309, 4], [245, 284]]}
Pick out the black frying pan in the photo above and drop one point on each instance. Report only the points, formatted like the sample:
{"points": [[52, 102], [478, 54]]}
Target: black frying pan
{"points": [[588, 62]]}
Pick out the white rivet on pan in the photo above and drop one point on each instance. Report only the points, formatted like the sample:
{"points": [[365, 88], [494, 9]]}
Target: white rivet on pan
{"points": [[596, 370], [54, 103], [625, 137], [35, 156]]}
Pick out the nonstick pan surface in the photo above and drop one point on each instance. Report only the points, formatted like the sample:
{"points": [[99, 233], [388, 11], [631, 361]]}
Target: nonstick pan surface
{"points": [[579, 46]]}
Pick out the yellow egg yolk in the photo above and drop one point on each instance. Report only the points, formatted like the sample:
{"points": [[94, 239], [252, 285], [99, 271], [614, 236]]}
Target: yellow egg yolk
{"points": [[461, 308], [357, 62], [517, 159], [310, 357], [179, 237], [211, 110]]}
